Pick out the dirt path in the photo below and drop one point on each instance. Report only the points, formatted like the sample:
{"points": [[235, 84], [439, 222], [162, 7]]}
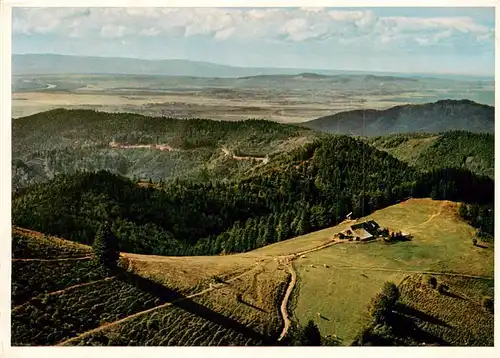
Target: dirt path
{"points": [[289, 262], [81, 285], [111, 324], [129, 268], [324, 246], [87, 257], [162, 147], [227, 153], [432, 217], [284, 302]]}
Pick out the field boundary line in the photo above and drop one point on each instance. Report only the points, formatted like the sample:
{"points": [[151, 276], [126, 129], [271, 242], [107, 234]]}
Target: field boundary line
{"points": [[453, 274], [17, 308], [86, 257]]}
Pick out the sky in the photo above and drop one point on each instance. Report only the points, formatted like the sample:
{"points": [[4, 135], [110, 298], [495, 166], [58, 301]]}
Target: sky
{"points": [[408, 40]]}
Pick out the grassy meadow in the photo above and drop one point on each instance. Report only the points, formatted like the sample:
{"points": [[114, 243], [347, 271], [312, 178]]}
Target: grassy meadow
{"points": [[342, 291]]}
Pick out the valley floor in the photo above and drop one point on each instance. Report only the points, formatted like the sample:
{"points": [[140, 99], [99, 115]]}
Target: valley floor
{"points": [[182, 105]]}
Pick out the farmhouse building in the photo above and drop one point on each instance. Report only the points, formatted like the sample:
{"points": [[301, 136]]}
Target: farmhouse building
{"points": [[364, 231]]}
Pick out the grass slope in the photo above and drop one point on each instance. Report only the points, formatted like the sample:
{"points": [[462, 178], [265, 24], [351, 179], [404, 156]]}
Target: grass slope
{"points": [[227, 300], [457, 318], [342, 292], [235, 299]]}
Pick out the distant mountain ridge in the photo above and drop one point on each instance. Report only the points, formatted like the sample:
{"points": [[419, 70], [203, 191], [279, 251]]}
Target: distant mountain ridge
{"points": [[28, 64], [435, 117], [332, 77]]}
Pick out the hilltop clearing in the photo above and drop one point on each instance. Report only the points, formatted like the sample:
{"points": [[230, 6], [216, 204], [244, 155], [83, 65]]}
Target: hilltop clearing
{"points": [[243, 299], [335, 284]]}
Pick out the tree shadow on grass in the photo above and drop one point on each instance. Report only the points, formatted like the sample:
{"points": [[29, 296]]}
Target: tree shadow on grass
{"points": [[177, 299], [405, 310], [253, 306], [323, 317], [400, 329], [406, 327], [453, 295]]}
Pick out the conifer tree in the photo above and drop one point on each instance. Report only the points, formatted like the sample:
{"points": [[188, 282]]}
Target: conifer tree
{"points": [[105, 246], [254, 234], [270, 233], [309, 335], [262, 231], [304, 223], [280, 229], [287, 226]]}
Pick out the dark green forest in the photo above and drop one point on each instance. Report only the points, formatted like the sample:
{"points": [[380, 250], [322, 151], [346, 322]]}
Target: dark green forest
{"points": [[66, 141], [481, 217], [307, 189], [69, 182], [458, 149], [436, 117]]}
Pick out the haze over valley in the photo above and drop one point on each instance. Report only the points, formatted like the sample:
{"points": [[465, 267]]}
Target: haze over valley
{"points": [[184, 89]]}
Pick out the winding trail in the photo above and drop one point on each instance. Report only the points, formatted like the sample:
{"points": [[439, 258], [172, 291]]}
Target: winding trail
{"points": [[227, 153], [70, 288], [161, 147], [81, 285], [291, 285], [284, 303], [432, 217]]}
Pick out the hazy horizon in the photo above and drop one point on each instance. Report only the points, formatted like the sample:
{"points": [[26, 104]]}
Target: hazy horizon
{"points": [[440, 41], [299, 69]]}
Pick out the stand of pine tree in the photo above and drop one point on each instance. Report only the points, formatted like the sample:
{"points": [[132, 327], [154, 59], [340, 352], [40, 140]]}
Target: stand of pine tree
{"points": [[305, 190]]}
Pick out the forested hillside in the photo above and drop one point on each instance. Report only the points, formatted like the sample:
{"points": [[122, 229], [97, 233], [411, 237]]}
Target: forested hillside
{"points": [[458, 149], [138, 147], [66, 141], [307, 189], [440, 116]]}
